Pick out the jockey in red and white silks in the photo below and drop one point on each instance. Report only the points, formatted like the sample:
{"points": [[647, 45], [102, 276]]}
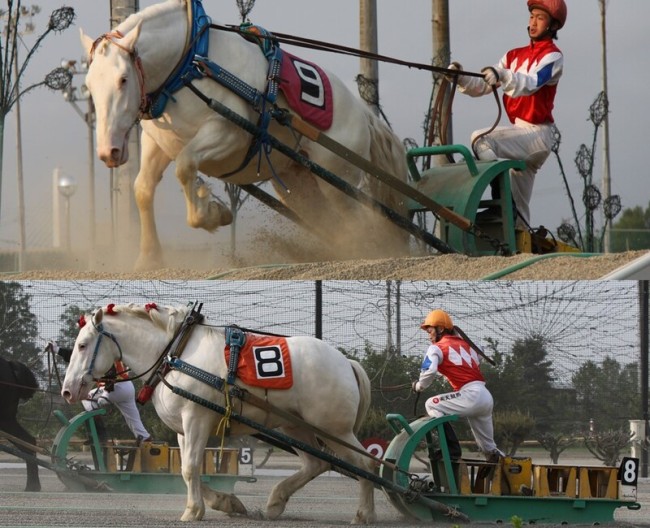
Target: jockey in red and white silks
{"points": [[120, 394], [452, 357], [528, 77]]}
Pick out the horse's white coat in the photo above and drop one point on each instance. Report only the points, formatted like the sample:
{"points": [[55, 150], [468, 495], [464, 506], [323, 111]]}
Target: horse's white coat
{"points": [[325, 394], [198, 139]]}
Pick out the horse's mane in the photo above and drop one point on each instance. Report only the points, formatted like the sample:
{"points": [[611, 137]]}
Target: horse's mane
{"points": [[164, 317]]}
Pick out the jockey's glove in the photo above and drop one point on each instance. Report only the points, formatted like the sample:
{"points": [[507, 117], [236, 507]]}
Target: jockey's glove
{"points": [[416, 387], [457, 66], [492, 75]]}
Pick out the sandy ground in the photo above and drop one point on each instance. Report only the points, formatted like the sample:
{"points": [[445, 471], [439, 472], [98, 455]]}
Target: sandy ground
{"points": [[440, 267], [329, 500]]}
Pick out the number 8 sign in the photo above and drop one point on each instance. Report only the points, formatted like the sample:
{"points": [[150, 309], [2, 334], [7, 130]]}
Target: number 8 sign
{"points": [[628, 472]]}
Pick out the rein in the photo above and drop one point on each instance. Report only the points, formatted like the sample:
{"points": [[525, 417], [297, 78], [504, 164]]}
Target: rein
{"points": [[483, 134], [320, 45]]}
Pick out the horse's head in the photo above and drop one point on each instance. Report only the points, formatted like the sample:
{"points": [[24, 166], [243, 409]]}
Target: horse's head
{"points": [[115, 82], [95, 351]]}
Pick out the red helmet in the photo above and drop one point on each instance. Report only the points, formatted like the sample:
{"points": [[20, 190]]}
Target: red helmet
{"points": [[555, 8]]}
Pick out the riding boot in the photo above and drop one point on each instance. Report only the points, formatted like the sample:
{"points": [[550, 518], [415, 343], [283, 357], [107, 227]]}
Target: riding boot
{"points": [[453, 445], [455, 451]]}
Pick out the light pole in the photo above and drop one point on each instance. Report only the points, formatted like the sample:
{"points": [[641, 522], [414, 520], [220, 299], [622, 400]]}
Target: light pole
{"points": [[74, 95], [67, 187]]}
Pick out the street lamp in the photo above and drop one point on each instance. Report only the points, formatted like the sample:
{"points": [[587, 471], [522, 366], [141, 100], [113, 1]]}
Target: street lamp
{"points": [[67, 186], [73, 95]]}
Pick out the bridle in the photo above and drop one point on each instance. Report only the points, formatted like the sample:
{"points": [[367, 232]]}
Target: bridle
{"points": [[102, 333], [136, 61]]}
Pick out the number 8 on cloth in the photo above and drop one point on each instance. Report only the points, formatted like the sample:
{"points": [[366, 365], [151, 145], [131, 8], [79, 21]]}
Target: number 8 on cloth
{"points": [[264, 361]]}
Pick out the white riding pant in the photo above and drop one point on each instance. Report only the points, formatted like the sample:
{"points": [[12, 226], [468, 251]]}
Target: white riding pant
{"points": [[473, 402], [521, 141], [123, 397]]}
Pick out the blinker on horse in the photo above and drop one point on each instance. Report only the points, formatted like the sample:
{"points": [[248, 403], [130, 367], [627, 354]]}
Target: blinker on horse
{"points": [[136, 62], [300, 377]]}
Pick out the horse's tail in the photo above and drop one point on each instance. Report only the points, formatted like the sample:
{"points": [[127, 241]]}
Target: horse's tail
{"points": [[388, 153], [25, 380], [363, 382]]}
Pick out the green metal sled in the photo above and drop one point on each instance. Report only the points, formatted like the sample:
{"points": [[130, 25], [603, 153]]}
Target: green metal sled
{"points": [[464, 187], [455, 483]]}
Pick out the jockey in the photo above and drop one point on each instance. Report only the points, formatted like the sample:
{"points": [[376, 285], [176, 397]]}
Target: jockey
{"points": [[528, 77], [120, 394], [452, 357]]}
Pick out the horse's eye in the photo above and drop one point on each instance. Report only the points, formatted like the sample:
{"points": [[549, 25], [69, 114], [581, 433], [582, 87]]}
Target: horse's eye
{"points": [[122, 82]]}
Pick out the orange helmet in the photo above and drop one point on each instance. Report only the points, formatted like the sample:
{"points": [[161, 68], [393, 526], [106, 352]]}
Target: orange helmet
{"points": [[555, 8], [437, 318]]}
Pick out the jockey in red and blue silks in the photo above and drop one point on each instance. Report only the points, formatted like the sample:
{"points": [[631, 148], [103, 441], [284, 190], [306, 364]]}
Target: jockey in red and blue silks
{"points": [[528, 77], [452, 357]]}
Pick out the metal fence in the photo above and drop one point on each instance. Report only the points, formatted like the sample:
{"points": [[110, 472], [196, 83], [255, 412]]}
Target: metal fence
{"points": [[579, 320]]}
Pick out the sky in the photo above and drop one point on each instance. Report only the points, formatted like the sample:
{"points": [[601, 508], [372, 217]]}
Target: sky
{"points": [[481, 32]]}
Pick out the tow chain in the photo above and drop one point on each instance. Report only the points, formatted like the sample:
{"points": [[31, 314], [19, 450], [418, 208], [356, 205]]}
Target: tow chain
{"points": [[500, 248]]}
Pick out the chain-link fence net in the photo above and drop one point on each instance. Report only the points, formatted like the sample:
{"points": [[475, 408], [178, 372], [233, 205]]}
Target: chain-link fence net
{"points": [[589, 330]]}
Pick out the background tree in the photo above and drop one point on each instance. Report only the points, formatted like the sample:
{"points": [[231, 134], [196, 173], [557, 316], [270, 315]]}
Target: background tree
{"points": [[632, 231], [523, 379], [608, 445], [511, 429], [555, 443], [593, 385], [390, 376], [19, 327]]}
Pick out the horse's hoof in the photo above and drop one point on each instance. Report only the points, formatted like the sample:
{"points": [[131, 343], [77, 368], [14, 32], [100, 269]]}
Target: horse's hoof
{"points": [[256, 515], [234, 505], [364, 518], [191, 515], [273, 512]]}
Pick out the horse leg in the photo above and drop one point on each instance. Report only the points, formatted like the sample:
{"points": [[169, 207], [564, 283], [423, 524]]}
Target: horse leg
{"points": [[310, 469], [202, 212], [15, 429], [366, 509], [225, 502], [152, 165], [191, 462], [192, 444]]}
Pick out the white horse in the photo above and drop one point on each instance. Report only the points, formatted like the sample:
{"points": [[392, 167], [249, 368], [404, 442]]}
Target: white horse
{"points": [[329, 392], [137, 58]]}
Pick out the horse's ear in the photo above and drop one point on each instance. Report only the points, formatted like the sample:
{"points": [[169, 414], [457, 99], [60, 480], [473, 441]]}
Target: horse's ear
{"points": [[86, 42], [97, 317], [131, 38]]}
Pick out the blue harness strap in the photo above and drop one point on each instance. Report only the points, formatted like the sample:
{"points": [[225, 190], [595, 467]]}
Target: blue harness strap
{"points": [[236, 339], [196, 65], [186, 71]]}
